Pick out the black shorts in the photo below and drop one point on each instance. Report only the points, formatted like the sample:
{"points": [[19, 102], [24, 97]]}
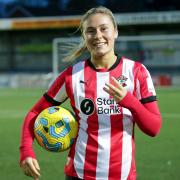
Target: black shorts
{"points": [[71, 178]]}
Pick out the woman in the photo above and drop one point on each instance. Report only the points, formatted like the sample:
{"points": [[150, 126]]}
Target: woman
{"points": [[109, 95]]}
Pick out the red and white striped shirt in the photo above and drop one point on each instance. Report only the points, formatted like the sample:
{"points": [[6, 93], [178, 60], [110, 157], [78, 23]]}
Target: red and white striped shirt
{"points": [[104, 148]]}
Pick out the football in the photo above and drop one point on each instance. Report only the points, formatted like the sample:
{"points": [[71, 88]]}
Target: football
{"points": [[55, 129]]}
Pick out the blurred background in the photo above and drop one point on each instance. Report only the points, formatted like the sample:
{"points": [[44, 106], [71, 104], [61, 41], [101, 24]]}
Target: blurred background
{"points": [[149, 31], [34, 37]]}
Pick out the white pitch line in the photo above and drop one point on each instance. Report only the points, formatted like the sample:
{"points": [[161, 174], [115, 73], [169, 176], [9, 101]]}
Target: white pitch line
{"points": [[21, 113], [171, 115], [12, 113]]}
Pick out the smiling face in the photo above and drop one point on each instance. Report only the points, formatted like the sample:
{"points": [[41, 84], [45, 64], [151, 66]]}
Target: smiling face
{"points": [[99, 34]]}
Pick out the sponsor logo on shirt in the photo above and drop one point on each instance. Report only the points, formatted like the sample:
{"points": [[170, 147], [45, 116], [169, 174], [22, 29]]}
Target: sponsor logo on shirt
{"points": [[87, 106], [107, 106], [103, 106]]}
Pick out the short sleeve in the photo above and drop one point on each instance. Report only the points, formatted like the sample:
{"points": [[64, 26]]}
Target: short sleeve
{"points": [[144, 85], [57, 91]]}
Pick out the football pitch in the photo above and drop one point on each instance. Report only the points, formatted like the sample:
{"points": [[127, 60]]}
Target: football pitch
{"points": [[157, 158]]}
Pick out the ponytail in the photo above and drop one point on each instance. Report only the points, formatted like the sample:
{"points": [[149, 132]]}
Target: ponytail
{"points": [[75, 52]]}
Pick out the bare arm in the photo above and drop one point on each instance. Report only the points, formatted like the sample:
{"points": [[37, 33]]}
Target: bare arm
{"points": [[28, 161]]}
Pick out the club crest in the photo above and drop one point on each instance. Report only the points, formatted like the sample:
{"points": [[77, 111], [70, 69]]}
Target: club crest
{"points": [[122, 80]]}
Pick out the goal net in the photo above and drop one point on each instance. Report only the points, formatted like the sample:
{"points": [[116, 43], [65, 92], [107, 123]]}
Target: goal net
{"points": [[159, 53]]}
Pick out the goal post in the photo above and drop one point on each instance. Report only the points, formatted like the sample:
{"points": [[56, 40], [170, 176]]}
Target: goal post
{"points": [[154, 51], [60, 49]]}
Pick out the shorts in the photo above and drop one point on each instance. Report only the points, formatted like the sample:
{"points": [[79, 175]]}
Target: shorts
{"points": [[72, 178]]}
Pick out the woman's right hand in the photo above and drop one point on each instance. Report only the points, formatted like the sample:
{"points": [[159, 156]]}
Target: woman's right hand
{"points": [[31, 167]]}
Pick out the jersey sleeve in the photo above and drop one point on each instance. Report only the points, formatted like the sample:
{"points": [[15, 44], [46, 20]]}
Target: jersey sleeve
{"points": [[54, 96], [57, 94], [27, 131], [147, 116], [145, 90], [144, 107]]}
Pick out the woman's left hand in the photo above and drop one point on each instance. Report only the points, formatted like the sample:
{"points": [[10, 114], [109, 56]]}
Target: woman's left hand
{"points": [[116, 90]]}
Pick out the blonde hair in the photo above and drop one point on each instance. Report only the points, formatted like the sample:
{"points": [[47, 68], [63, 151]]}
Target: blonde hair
{"points": [[77, 51]]}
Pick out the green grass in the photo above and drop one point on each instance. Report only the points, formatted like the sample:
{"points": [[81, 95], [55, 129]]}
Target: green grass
{"points": [[156, 158]]}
